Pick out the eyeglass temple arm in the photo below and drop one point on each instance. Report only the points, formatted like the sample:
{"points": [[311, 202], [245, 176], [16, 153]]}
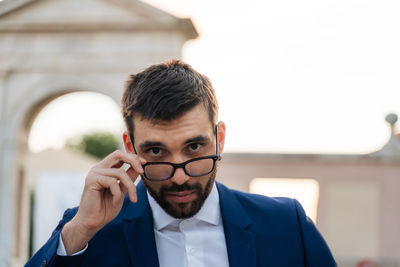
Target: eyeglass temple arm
{"points": [[133, 144]]}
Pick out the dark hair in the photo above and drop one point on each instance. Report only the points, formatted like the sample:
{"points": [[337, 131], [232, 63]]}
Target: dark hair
{"points": [[165, 92]]}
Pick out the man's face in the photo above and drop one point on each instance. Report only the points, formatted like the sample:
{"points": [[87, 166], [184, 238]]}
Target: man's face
{"points": [[187, 137]]}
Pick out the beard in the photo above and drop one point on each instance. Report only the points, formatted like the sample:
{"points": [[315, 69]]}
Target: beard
{"points": [[182, 210]]}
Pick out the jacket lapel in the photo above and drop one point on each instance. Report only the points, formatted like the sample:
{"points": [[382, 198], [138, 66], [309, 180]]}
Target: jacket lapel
{"points": [[241, 243], [138, 233]]}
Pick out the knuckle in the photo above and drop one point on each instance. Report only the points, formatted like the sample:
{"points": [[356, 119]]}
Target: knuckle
{"points": [[92, 173], [115, 182], [89, 176], [134, 158], [116, 153], [121, 173]]}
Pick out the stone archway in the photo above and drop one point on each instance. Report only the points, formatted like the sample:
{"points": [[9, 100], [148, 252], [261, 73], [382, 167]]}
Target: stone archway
{"points": [[48, 48], [25, 115]]}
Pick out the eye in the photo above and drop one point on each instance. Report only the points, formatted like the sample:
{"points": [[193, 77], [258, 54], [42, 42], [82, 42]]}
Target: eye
{"points": [[195, 147], [155, 150]]}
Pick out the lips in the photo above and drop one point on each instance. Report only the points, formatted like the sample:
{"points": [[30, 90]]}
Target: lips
{"points": [[182, 196]]}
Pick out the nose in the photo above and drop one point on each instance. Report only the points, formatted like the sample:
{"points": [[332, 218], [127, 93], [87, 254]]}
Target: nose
{"points": [[179, 177]]}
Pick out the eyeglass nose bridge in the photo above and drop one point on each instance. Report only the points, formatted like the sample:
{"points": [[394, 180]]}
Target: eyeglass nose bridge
{"points": [[179, 166]]}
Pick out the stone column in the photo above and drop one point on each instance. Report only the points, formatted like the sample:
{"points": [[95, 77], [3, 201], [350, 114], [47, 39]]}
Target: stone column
{"points": [[6, 176]]}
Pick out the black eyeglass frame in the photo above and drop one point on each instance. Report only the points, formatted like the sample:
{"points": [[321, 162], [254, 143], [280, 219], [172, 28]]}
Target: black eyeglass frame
{"points": [[182, 165]]}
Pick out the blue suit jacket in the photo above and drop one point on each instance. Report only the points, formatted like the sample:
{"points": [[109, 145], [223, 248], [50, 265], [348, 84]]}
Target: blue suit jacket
{"points": [[259, 231]]}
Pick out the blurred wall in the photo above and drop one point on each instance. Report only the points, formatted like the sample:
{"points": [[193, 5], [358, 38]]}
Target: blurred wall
{"points": [[358, 197]]}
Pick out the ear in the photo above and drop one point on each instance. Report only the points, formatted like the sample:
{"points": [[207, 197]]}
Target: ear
{"points": [[221, 136], [127, 142]]}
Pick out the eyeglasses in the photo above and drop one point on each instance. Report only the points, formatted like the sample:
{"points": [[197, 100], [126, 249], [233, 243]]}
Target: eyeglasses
{"points": [[196, 167]]}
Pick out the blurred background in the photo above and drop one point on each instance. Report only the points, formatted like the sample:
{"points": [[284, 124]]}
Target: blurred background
{"points": [[309, 91]]}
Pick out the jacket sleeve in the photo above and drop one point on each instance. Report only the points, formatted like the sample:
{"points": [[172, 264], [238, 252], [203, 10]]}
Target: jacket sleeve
{"points": [[46, 255], [316, 251]]}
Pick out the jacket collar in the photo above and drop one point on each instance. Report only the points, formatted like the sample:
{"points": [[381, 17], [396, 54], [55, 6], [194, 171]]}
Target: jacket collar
{"points": [[138, 232], [240, 242], [133, 211]]}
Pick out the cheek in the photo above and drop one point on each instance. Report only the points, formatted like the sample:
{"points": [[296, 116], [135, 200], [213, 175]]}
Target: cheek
{"points": [[204, 180]]}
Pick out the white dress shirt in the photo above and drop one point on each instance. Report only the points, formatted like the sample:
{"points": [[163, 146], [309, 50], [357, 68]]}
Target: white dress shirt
{"points": [[198, 241]]}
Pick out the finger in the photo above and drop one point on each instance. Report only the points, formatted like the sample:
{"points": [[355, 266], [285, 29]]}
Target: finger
{"points": [[132, 173], [113, 185], [117, 158], [112, 160], [123, 188], [142, 160], [121, 175]]}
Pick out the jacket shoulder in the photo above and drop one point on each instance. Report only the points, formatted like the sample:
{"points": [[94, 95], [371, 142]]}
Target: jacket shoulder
{"points": [[265, 204]]}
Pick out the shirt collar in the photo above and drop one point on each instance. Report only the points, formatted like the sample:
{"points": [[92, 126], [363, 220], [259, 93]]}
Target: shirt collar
{"points": [[209, 212]]}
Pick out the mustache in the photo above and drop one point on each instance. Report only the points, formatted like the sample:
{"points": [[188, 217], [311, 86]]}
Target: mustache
{"points": [[179, 188]]}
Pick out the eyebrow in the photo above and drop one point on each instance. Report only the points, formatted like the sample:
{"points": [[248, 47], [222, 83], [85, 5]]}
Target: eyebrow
{"points": [[200, 138], [147, 144]]}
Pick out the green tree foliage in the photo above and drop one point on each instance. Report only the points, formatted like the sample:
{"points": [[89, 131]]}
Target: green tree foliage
{"points": [[98, 144]]}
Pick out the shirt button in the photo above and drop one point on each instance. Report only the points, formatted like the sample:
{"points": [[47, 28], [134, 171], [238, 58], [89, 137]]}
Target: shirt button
{"points": [[192, 251]]}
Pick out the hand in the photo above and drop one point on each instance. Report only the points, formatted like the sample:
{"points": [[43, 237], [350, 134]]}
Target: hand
{"points": [[105, 187]]}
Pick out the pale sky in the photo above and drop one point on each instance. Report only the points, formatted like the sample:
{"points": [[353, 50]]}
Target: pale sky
{"points": [[291, 76]]}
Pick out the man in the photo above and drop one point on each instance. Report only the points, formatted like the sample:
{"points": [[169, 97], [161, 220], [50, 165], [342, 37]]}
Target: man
{"points": [[177, 215]]}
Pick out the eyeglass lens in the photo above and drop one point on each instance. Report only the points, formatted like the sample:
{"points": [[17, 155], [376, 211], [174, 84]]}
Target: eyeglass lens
{"points": [[194, 168]]}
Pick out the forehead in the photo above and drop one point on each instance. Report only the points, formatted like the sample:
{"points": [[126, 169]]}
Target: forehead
{"points": [[192, 123]]}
